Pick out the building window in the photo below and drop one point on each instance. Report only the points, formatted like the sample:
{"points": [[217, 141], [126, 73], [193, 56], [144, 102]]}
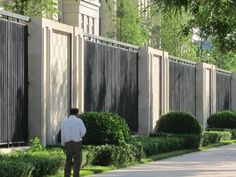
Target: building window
{"points": [[93, 25], [100, 26], [88, 24], [82, 21]]}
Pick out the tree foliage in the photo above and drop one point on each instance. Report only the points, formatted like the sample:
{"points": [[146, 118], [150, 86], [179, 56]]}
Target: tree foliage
{"points": [[215, 21], [166, 35], [39, 8], [128, 24], [214, 18]]}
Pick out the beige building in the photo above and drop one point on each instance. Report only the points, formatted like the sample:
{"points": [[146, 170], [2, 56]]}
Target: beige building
{"points": [[83, 14]]}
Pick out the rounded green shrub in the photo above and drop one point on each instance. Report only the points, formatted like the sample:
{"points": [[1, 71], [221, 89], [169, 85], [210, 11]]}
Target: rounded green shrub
{"points": [[224, 119], [178, 123], [105, 128]]}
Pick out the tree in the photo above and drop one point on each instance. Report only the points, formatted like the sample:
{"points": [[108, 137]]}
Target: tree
{"points": [[128, 25], [40, 8], [215, 21], [214, 18], [166, 35]]}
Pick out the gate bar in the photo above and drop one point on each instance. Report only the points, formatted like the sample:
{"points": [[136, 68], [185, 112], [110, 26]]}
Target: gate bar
{"points": [[14, 15]]}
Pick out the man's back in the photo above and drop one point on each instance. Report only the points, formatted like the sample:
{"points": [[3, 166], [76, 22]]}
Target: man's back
{"points": [[72, 129]]}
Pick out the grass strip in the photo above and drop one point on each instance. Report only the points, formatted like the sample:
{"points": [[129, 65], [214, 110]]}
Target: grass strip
{"points": [[88, 170], [167, 155], [222, 143]]}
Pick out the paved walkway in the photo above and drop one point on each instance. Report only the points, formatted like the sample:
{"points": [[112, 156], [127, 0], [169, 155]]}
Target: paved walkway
{"points": [[216, 162]]}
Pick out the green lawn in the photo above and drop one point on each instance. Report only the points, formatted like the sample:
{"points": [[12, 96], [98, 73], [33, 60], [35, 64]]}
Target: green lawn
{"points": [[90, 170]]}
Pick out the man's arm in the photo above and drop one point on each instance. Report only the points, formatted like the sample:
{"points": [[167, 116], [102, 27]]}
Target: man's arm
{"points": [[82, 129], [62, 135]]}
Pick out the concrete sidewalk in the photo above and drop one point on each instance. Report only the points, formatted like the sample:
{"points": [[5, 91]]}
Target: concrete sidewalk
{"points": [[215, 162]]}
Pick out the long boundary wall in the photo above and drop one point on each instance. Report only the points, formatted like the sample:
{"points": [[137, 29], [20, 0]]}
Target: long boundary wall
{"points": [[56, 81], [154, 89]]}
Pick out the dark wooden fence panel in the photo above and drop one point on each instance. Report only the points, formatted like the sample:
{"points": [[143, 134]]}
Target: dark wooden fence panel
{"points": [[223, 91], [182, 87], [13, 82], [111, 81]]}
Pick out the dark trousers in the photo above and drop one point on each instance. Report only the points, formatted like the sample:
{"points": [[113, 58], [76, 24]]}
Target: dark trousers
{"points": [[73, 152]]}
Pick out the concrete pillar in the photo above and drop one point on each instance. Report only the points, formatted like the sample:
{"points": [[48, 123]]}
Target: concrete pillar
{"points": [[78, 70], [153, 88], [55, 59], [233, 91], [205, 92], [165, 82], [144, 92]]}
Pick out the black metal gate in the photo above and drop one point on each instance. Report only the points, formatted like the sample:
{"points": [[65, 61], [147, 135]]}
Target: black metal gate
{"points": [[13, 82], [223, 90], [182, 85], [111, 79]]}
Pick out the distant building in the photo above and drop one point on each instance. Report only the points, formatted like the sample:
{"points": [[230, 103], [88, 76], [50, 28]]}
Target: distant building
{"points": [[83, 13], [1, 5], [206, 45]]}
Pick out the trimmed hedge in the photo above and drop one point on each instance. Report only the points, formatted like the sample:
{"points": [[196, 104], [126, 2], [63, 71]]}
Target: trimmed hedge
{"points": [[224, 119], [178, 123], [160, 143], [155, 145], [88, 155], [110, 155], [45, 162], [210, 137], [31, 163], [113, 155], [16, 168], [232, 131], [191, 141], [105, 128]]}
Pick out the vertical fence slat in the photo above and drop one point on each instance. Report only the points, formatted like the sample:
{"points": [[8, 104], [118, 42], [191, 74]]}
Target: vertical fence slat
{"points": [[3, 84]]}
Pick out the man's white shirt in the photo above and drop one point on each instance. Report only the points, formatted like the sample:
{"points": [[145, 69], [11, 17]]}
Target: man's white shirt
{"points": [[72, 129]]}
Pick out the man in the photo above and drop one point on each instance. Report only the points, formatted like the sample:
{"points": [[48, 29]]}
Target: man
{"points": [[72, 132]]}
